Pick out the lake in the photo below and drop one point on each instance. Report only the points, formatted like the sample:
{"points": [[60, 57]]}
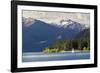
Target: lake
{"points": [[40, 56]]}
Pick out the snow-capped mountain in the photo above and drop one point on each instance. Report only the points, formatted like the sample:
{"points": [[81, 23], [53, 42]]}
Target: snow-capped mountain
{"points": [[28, 21], [76, 25], [63, 23], [40, 34]]}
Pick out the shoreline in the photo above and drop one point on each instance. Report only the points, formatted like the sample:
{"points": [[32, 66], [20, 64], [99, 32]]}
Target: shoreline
{"points": [[57, 52]]}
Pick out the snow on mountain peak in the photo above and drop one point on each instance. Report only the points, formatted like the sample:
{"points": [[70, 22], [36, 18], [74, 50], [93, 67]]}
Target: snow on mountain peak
{"points": [[61, 24], [28, 21], [65, 23]]}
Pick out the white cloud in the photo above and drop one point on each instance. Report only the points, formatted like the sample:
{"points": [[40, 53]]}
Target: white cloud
{"points": [[56, 17]]}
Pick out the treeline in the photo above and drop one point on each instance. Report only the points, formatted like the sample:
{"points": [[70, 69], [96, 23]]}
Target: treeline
{"points": [[82, 44]]}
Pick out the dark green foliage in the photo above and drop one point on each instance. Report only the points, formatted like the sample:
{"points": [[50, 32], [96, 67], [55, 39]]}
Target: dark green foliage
{"points": [[82, 44]]}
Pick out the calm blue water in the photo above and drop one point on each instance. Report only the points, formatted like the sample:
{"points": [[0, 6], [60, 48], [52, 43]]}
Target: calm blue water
{"points": [[39, 56]]}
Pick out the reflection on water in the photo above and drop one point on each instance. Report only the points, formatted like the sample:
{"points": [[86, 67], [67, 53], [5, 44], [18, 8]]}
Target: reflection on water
{"points": [[39, 56]]}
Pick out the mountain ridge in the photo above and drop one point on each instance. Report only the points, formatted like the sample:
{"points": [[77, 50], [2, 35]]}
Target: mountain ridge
{"points": [[38, 34]]}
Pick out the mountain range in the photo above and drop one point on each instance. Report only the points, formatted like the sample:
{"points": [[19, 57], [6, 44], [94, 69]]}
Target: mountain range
{"points": [[38, 34]]}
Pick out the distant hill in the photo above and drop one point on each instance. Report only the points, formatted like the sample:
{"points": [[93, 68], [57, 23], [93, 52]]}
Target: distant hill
{"points": [[84, 34]]}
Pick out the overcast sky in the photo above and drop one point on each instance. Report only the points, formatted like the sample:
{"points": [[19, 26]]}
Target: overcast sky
{"points": [[56, 17]]}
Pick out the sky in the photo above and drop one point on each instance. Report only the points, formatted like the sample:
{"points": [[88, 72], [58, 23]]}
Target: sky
{"points": [[56, 17]]}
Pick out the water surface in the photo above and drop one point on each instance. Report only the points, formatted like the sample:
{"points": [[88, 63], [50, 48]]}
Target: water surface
{"points": [[40, 56]]}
